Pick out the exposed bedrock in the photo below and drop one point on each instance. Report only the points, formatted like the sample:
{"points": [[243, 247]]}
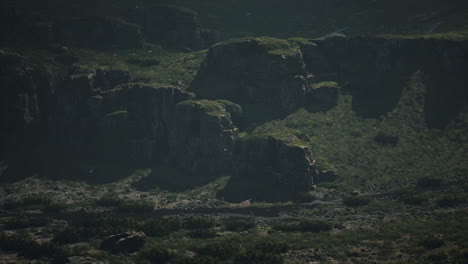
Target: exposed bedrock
{"points": [[253, 71], [268, 168], [174, 27], [374, 70]]}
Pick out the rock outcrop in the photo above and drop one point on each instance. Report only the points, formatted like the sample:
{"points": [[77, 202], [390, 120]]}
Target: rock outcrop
{"points": [[174, 27], [375, 69], [269, 168], [254, 71], [98, 32]]}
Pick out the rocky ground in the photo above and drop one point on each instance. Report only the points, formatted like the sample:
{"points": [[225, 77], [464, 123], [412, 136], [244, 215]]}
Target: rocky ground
{"points": [[329, 228]]}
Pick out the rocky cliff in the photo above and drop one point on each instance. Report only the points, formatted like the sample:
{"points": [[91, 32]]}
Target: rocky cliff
{"points": [[270, 168], [254, 71], [374, 70]]}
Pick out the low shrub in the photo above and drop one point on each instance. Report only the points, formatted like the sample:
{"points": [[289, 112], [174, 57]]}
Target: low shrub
{"points": [[157, 255], [33, 250], [161, 227], [109, 201], [272, 246], [304, 226], [221, 250], [25, 222], [34, 201], [197, 222], [449, 200], [429, 182], [386, 139], [305, 197], [202, 233], [355, 201], [431, 243], [413, 198], [238, 225], [136, 207], [201, 259], [253, 256]]}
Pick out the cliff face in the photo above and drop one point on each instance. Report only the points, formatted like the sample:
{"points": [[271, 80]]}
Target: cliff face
{"points": [[253, 71], [266, 168], [374, 70]]}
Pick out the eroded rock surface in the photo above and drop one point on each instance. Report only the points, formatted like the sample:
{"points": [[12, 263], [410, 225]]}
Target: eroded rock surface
{"points": [[267, 168], [375, 69], [254, 71]]}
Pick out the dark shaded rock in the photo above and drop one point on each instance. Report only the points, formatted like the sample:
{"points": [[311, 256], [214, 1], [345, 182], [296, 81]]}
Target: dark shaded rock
{"points": [[323, 96], [327, 176], [375, 70], [23, 88], [107, 79], [127, 242], [267, 168], [254, 70], [67, 60], [98, 32], [174, 27]]}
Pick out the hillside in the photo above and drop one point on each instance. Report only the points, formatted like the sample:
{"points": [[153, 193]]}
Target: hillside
{"points": [[233, 131]]}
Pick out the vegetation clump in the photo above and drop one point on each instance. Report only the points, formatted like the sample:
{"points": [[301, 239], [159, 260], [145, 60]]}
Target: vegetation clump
{"points": [[137, 207], [355, 201], [304, 226]]}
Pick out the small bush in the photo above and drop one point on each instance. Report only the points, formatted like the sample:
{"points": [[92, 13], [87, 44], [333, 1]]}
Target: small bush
{"points": [[413, 198], [305, 197], [202, 233], [109, 201], [272, 247], [432, 243], [239, 225], [161, 227], [200, 259], [429, 182], [384, 138], [33, 250], [221, 249], [450, 200], [197, 222], [354, 201], [137, 207], [55, 208], [157, 255], [304, 226], [34, 201], [144, 63], [253, 256], [25, 222]]}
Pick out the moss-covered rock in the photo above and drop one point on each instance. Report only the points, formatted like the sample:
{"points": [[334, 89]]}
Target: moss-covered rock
{"points": [[254, 70]]}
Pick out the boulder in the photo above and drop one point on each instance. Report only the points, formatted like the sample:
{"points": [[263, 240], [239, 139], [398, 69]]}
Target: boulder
{"points": [[254, 71], [127, 242], [272, 168]]}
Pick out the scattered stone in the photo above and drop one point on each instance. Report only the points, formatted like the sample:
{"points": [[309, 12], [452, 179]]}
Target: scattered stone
{"points": [[127, 242]]}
